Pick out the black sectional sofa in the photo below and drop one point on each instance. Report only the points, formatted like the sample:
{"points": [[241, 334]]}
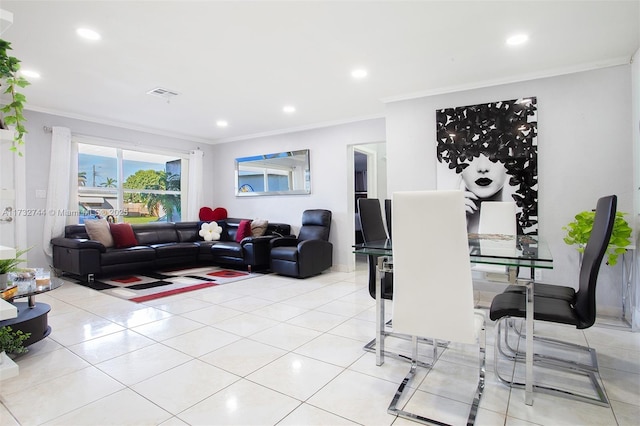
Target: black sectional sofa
{"points": [[162, 245]]}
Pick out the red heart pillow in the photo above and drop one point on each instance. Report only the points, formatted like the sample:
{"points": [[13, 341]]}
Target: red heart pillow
{"points": [[206, 214], [219, 213]]}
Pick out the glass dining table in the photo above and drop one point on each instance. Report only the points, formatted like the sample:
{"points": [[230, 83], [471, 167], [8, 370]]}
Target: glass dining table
{"points": [[513, 252]]}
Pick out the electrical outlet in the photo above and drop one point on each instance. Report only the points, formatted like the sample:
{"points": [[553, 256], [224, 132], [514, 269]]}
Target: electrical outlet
{"points": [[538, 275], [41, 193]]}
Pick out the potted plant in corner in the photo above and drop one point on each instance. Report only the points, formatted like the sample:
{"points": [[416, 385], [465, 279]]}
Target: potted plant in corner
{"points": [[10, 265], [9, 67], [579, 230]]}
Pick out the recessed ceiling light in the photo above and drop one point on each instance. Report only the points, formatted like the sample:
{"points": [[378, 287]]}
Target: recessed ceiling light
{"points": [[517, 39], [222, 123], [289, 109], [88, 34], [359, 73], [30, 73]]}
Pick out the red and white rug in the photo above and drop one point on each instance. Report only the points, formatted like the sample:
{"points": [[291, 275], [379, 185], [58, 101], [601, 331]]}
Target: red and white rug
{"points": [[154, 285]]}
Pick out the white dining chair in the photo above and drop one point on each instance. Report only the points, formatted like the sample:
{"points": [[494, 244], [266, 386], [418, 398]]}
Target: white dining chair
{"points": [[433, 290]]}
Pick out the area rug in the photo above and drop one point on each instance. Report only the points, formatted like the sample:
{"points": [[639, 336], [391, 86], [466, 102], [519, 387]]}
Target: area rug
{"points": [[154, 285]]}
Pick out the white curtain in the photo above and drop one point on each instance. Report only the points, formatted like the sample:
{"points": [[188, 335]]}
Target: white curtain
{"points": [[194, 186], [59, 190]]}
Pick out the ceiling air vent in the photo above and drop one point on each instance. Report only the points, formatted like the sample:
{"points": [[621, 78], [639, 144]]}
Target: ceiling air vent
{"points": [[162, 93]]}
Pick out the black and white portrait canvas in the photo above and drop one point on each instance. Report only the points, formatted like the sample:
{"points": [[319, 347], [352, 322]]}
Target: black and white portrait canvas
{"points": [[490, 152]]}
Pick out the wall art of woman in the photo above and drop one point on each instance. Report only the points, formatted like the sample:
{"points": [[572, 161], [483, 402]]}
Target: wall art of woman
{"points": [[490, 152]]}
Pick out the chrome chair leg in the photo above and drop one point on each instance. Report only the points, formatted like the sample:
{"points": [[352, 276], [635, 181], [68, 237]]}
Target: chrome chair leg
{"points": [[393, 406], [565, 366], [592, 366]]}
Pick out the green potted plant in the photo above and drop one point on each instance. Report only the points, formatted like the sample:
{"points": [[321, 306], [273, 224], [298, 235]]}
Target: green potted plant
{"points": [[10, 265], [9, 67], [579, 230], [11, 342]]}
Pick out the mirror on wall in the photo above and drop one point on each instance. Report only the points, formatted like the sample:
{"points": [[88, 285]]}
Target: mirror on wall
{"points": [[282, 173]]}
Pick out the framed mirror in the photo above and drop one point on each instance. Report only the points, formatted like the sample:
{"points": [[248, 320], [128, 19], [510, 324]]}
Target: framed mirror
{"points": [[281, 173]]}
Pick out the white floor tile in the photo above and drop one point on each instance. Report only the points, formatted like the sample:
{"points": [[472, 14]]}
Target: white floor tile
{"points": [[167, 328], [243, 357], [295, 375], [333, 349], [110, 346], [121, 408], [357, 397], [242, 403], [38, 369], [49, 400], [184, 386], [285, 336], [309, 415], [139, 365], [201, 341]]}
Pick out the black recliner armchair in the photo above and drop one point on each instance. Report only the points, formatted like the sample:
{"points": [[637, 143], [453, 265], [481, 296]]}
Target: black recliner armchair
{"points": [[310, 253]]}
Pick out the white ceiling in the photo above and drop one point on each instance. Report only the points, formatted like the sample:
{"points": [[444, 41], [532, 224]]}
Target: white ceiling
{"points": [[242, 61]]}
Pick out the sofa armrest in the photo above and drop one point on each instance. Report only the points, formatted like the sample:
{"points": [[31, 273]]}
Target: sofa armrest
{"points": [[256, 250], [78, 243], [314, 246], [286, 241]]}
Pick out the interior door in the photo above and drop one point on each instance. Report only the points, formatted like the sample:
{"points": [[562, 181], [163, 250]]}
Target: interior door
{"points": [[13, 216], [7, 191]]}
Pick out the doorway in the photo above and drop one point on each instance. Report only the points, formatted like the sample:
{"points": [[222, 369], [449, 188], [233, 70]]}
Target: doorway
{"points": [[12, 194], [369, 177]]}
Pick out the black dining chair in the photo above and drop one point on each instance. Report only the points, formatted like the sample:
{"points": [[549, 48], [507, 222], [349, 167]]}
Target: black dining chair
{"points": [[373, 230], [580, 313], [387, 212]]}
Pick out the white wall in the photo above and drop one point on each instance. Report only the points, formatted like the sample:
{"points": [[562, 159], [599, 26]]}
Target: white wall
{"points": [[331, 181], [585, 151], [37, 154]]}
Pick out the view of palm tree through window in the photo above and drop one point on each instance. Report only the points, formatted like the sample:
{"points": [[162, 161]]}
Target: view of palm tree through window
{"points": [[128, 186]]}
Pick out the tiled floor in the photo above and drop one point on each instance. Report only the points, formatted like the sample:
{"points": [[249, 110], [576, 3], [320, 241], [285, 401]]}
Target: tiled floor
{"points": [[272, 350]]}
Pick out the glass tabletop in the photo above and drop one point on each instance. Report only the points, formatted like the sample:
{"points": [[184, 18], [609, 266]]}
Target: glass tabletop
{"points": [[35, 287], [495, 249]]}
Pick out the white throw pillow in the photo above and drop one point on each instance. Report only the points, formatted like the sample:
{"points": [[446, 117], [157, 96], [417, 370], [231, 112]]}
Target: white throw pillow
{"points": [[98, 230], [210, 231]]}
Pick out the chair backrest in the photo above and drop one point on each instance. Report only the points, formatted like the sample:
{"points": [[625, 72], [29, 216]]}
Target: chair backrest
{"points": [[594, 251], [373, 230], [498, 217], [387, 211], [371, 220], [433, 290], [316, 225]]}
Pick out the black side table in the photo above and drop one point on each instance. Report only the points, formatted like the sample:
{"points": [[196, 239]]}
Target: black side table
{"points": [[32, 316]]}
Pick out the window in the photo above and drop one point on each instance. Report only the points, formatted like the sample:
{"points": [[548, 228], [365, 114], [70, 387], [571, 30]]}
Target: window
{"points": [[130, 186]]}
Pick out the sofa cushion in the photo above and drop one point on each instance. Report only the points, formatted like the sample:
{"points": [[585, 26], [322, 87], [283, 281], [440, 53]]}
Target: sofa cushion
{"points": [[176, 250], [156, 233], [290, 254], [244, 230], [98, 230], [123, 235], [127, 255], [227, 249], [259, 227]]}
